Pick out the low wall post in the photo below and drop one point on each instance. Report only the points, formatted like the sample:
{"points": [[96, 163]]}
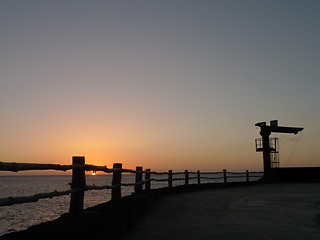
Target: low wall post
{"points": [[170, 179], [186, 177], [78, 182], [139, 186], [247, 176], [199, 178], [116, 181], [225, 175], [147, 179]]}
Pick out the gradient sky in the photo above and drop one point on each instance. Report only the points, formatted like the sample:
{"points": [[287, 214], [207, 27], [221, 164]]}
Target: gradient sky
{"points": [[162, 84]]}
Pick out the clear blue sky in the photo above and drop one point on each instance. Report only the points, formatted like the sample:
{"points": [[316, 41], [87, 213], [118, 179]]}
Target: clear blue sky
{"points": [[162, 84]]}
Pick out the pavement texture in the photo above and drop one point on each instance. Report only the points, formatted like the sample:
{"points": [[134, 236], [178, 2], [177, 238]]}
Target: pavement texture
{"points": [[267, 211]]}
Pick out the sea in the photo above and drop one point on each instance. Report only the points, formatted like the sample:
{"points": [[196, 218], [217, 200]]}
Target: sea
{"points": [[21, 216]]}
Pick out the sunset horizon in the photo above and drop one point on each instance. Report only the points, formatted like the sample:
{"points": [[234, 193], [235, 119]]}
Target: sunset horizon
{"points": [[159, 84]]}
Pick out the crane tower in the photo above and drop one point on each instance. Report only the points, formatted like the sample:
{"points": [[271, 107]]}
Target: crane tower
{"points": [[269, 146]]}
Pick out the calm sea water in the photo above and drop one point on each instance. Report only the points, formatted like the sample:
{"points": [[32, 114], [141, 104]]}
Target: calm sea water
{"points": [[21, 216]]}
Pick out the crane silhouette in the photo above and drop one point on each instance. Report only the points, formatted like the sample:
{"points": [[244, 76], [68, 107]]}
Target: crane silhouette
{"points": [[266, 147]]}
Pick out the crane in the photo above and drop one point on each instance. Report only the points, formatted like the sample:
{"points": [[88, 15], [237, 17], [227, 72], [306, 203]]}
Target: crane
{"points": [[270, 147]]}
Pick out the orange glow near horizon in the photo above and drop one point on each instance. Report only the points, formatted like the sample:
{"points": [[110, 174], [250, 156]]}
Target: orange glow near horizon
{"points": [[158, 152], [168, 95]]}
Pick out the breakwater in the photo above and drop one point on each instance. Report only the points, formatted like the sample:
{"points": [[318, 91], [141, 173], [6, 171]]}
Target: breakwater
{"points": [[110, 220], [79, 186], [145, 181]]}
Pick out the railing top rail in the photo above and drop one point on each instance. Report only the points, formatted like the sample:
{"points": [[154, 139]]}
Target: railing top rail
{"points": [[16, 167], [89, 167]]}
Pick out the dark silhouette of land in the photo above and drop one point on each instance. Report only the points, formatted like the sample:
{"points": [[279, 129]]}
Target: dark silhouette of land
{"points": [[208, 211]]}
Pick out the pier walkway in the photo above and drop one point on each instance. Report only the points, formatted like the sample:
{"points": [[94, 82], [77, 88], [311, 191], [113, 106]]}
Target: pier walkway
{"points": [[269, 211]]}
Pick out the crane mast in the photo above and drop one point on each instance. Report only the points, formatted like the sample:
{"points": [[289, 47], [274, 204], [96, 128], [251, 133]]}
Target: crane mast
{"points": [[269, 147]]}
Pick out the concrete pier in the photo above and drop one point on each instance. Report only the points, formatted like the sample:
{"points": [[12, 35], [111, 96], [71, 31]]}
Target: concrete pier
{"points": [[267, 211]]}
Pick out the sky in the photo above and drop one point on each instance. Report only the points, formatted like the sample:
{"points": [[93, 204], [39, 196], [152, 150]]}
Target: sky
{"points": [[170, 84]]}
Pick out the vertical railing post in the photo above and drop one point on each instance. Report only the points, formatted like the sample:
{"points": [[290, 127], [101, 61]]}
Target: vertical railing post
{"points": [[199, 178], [170, 178], [247, 176], [147, 179], [78, 182], [116, 181], [225, 175], [138, 187], [186, 177]]}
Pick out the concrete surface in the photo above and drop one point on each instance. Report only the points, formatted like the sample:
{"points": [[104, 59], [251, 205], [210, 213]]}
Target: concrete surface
{"points": [[270, 211]]}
